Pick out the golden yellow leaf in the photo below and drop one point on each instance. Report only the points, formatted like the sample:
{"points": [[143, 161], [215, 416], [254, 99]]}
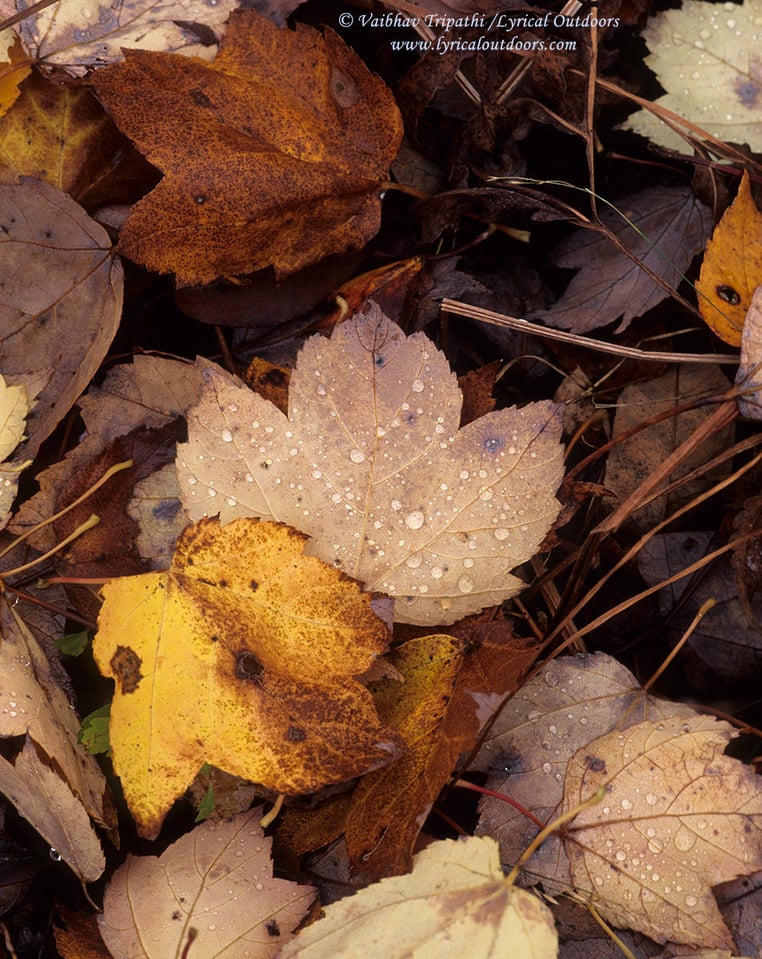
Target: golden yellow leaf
{"points": [[749, 375], [243, 655], [732, 267]]}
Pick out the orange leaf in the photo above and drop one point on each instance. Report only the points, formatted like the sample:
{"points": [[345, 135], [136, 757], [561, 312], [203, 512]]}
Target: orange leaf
{"points": [[389, 806], [14, 68], [274, 154], [243, 654], [732, 267]]}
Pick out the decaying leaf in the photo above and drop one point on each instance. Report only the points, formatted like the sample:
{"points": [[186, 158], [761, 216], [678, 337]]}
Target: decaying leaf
{"points": [[146, 394], [662, 227], [389, 806], [371, 464], [62, 300], [633, 460], [707, 57], [58, 134], [678, 817], [269, 641], [726, 646], [456, 902], [212, 889], [732, 266], [75, 38], [273, 155]]}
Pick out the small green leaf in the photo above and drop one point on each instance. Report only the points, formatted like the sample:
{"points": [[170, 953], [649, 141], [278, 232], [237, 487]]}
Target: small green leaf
{"points": [[93, 733], [206, 805], [73, 644]]}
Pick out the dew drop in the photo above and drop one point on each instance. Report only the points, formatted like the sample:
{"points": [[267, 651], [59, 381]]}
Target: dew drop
{"points": [[546, 767], [414, 561], [55, 855], [211, 492], [436, 573], [651, 799], [465, 584], [418, 386], [468, 563], [321, 390], [227, 436], [415, 519], [357, 456], [626, 804], [501, 533], [233, 407], [684, 840], [691, 901], [192, 481]]}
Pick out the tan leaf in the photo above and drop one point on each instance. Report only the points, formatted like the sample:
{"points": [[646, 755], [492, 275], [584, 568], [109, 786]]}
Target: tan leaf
{"points": [[371, 464], [526, 752], [34, 703], [62, 300], [749, 375], [14, 408], [76, 37], [210, 894], [678, 817], [456, 902], [707, 57], [45, 800]]}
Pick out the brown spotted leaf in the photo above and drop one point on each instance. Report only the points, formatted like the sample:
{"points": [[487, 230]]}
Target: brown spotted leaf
{"points": [[243, 655], [370, 462], [273, 155]]}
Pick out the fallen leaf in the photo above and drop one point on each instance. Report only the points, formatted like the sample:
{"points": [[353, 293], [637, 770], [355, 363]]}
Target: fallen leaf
{"points": [[75, 39], [35, 704], [58, 134], [526, 752], [77, 935], [156, 509], [389, 806], [62, 300], [211, 890], [633, 460], [269, 640], [662, 227], [15, 67], [749, 375], [144, 395], [732, 266], [371, 464], [273, 155], [456, 902], [677, 818], [13, 412], [724, 646], [707, 58], [48, 804]]}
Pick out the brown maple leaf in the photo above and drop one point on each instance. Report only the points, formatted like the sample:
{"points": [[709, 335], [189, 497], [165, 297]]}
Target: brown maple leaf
{"points": [[273, 155]]}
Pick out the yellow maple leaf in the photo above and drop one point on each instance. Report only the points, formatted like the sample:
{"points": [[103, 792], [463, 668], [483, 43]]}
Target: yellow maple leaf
{"points": [[732, 267], [243, 655]]}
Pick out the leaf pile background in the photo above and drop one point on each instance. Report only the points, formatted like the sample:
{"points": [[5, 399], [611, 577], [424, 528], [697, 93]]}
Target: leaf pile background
{"points": [[379, 479]]}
